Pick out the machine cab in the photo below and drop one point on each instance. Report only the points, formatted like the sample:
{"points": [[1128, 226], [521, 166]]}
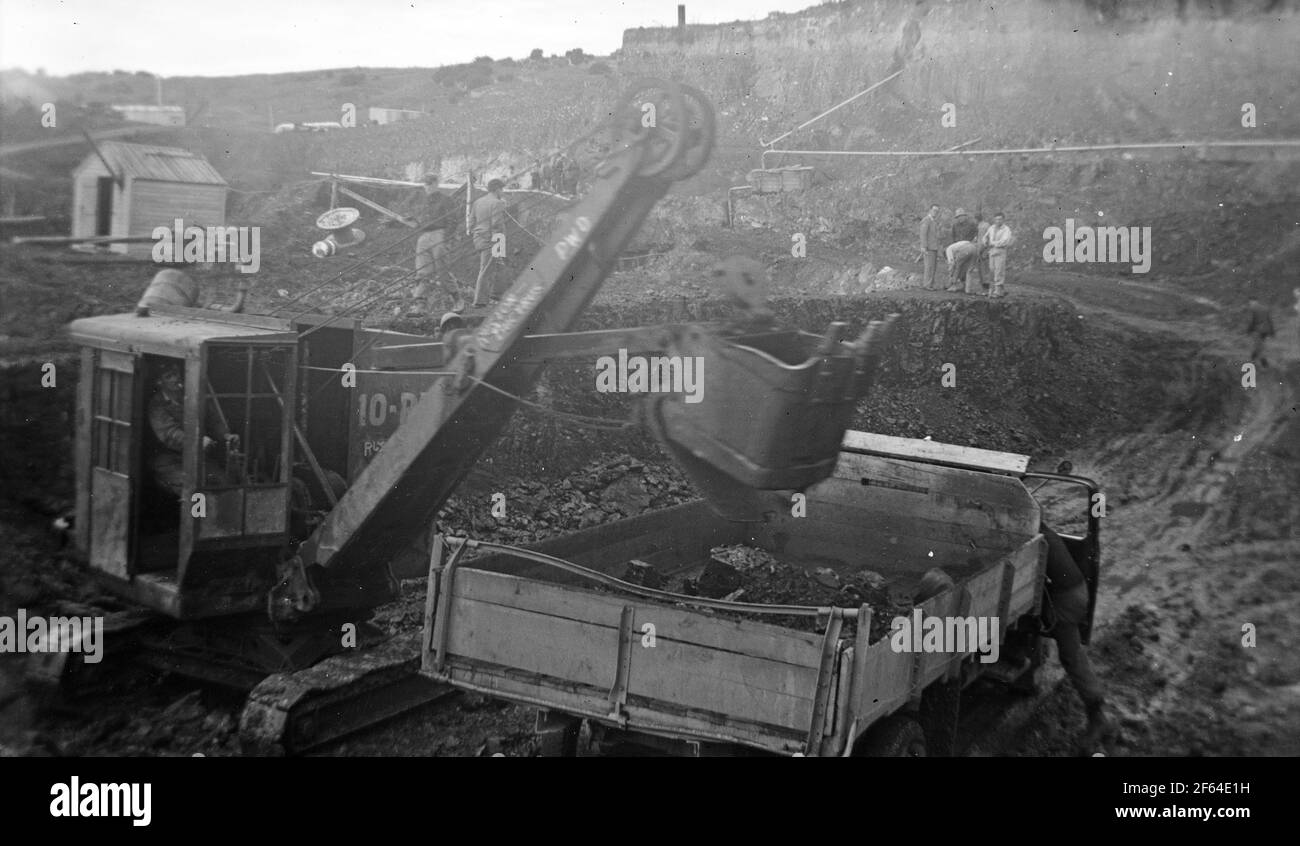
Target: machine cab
{"points": [[184, 455]]}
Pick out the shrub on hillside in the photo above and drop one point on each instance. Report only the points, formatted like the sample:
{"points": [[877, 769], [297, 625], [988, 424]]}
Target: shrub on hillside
{"points": [[600, 68], [537, 55], [576, 56], [464, 77]]}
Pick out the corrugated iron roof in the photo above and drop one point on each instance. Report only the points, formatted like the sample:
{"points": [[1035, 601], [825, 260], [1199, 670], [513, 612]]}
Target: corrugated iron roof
{"points": [[167, 164]]}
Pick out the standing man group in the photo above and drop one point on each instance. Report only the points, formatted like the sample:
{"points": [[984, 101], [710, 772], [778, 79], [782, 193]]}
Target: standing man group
{"points": [[488, 219], [969, 242], [559, 174]]}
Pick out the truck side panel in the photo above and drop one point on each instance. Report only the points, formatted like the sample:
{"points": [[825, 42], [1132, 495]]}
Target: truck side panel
{"points": [[702, 675]]}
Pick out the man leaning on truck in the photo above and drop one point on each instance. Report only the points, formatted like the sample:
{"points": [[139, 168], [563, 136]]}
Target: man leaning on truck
{"points": [[1067, 599]]}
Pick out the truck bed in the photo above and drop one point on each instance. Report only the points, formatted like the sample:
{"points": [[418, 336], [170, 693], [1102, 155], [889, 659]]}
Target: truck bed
{"points": [[534, 633]]}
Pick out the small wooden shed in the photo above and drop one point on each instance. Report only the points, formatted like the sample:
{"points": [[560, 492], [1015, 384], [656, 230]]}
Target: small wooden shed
{"points": [[129, 189]]}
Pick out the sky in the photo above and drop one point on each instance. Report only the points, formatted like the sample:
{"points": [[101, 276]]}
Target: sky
{"points": [[233, 37]]}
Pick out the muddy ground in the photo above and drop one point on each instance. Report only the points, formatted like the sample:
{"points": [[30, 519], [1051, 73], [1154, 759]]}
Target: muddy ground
{"points": [[1137, 383]]}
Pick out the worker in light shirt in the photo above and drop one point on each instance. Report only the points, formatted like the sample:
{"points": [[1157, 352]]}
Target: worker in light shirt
{"points": [[489, 214], [998, 239], [961, 256]]}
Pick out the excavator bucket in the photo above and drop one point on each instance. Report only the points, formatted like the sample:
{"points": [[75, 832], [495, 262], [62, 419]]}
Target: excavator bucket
{"points": [[773, 412]]}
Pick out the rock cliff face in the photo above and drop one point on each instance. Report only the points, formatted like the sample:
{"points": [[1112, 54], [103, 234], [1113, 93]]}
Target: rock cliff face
{"points": [[1027, 69]]}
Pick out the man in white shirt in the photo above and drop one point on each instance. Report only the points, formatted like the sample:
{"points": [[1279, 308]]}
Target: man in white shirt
{"points": [[488, 214], [998, 239]]}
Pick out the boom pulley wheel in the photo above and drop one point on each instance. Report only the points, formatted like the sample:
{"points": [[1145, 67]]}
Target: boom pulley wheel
{"points": [[653, 113]]}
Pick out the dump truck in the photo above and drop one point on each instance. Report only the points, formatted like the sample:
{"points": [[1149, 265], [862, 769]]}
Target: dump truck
{"points": [[556, 628]]}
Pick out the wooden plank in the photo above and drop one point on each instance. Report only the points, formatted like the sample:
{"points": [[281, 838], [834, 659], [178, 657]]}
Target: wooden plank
{"points": [[699, 678], [985, 589], [61, 240], [85, 413], [1000, 491], [585, 701], [680, 674], [886, 683], [638, 716], [771, 738], [1031, 564], [933, 665], [110, 505], [153, 203], [581, 653], [360, 199], [936, 452], [747, 637], [823, 703], [470, 583], [751, 636], [985, 529]]}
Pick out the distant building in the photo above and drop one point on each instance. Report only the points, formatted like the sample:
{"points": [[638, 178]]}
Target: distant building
{"points": [[308, 126], [143, 187], [382, 116], [161, 115]]}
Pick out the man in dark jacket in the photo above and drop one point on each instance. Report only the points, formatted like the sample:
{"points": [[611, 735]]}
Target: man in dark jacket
{"points": [[431, 272], [1066, 604], [964, 227], [166, 443]]}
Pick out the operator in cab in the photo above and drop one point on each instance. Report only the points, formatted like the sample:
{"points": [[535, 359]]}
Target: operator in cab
{"points": [[166, 441]]}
